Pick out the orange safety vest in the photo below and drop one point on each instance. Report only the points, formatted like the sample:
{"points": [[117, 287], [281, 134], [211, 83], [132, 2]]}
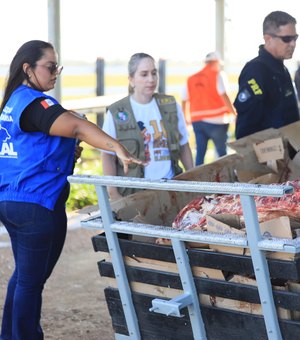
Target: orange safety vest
{"points": [[205, 101]]}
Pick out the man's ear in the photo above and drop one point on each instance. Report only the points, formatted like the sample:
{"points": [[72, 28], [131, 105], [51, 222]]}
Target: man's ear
{"points": [[267, 38]]}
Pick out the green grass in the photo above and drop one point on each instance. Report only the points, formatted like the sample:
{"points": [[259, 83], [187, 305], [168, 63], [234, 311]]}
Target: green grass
{"points": [[82, 195]]}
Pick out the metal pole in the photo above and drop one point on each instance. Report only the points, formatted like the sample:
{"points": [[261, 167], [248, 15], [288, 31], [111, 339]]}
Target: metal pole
{"points": [[100, 64], [100, 76], [188, 285], [118, 265], [54, 38], [261, 269], [162, 76], [220, 31]]}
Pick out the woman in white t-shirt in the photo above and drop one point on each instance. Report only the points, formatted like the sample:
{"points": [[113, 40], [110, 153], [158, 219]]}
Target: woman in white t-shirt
{"points": [[143, 79]]}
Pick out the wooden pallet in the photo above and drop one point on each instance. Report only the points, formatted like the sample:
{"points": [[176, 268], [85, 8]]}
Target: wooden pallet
{"points": [[231, 309]]}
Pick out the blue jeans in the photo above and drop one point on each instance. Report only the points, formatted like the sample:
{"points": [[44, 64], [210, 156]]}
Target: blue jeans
{"points": [[204, 132], [37, 238]]}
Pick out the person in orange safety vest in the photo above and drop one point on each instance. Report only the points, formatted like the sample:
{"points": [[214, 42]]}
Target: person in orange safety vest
{"points": [[207, 106]]}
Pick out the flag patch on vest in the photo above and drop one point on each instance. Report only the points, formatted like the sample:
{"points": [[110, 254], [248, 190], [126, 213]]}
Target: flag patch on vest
{"points": [[122, 117], [47, 103]]}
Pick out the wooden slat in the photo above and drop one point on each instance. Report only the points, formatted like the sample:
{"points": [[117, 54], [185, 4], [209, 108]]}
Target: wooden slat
{"points": [[220, 324], [212, 287], [239, 264], [142, 262]]}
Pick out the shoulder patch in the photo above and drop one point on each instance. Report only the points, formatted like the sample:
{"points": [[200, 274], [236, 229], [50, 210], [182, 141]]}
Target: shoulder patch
{"points": [[121, 117], [166, 100], [244, 96], [255, 87], [46, 103]]}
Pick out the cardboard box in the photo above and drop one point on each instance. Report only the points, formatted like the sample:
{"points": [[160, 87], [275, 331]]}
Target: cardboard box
{"points": [[269, 143], [152, 206], [269, 150], [281, 227], [225, 224]]}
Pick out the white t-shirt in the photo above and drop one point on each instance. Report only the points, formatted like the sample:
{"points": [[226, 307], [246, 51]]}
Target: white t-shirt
{"points": [[222, 86], [156, 148]]}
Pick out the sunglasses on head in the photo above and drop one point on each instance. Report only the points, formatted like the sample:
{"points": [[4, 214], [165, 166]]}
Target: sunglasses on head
{"points": [[285, 38]]}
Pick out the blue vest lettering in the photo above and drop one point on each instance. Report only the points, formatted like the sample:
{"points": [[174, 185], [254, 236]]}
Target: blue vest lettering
{"points": [[8, 150]]}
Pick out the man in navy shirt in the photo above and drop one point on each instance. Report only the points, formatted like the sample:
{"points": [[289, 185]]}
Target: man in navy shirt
{"points": [[266, 96]]}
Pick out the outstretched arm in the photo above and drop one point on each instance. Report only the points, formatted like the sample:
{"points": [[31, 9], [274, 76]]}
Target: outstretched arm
{"points": [[70, 125]]}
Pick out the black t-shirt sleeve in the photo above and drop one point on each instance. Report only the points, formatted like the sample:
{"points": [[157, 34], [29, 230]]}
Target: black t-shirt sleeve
{"points": [[39, 115]]}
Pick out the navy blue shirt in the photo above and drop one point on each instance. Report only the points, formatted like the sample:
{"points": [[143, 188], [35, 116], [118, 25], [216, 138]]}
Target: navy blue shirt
{"points": [[266, 97]]}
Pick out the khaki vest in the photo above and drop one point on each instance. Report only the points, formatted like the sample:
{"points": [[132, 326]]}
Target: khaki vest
{"points": [[129, 134]]}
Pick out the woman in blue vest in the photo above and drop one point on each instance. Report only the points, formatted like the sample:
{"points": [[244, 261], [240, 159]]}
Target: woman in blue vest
{"points": [[37, 151]]}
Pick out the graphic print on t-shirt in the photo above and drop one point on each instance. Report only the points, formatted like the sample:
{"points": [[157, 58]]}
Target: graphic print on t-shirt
{"points": [[159, 141], [147, 138]]}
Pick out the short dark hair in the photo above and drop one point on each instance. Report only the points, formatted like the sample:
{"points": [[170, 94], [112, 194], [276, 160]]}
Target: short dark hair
{"points": [[275, 19]]}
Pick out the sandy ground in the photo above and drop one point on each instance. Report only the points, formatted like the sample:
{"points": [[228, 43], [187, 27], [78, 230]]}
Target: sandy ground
{"points": [[74, 306]]}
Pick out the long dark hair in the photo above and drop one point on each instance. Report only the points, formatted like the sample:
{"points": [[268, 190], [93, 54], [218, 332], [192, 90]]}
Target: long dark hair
{"points": [[30, 53]]}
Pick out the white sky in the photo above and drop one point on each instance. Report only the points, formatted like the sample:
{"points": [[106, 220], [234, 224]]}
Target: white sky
{"points": [[115, 29]]}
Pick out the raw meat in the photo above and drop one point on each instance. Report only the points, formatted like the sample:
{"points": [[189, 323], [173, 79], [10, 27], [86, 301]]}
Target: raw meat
{"points": [[193, 215]]}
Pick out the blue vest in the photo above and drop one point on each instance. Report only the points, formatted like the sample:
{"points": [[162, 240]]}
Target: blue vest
{"points": [[33, 165]]}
